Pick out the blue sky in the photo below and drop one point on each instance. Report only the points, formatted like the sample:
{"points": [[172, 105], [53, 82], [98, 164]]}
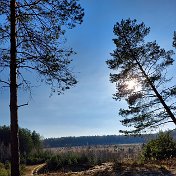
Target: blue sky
{"points": [[88, 108]]}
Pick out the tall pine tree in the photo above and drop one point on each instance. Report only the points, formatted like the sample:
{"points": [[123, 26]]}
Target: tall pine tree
{"points": [[32, 34], [150, 100]]}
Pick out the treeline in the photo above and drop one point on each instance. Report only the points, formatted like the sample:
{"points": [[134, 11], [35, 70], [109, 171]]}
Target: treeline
{"points": [[92, 140], [98, 140], [30, 143]]}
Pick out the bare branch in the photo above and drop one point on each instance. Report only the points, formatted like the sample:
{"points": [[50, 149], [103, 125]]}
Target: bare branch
{"points": [[28, 5], [5, 82], [23, 105]]}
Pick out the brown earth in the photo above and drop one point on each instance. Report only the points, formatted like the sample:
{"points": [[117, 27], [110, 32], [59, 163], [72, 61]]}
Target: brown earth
{"points": [[32, 170], [109, 169]]}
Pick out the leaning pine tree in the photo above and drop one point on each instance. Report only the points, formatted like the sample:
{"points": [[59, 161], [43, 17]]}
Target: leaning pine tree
{"points": [[150, 101], [32, 34]]}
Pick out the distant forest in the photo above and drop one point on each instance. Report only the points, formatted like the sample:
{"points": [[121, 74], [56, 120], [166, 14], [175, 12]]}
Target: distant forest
{"points": [[92, 140], [97, 140], [30, 141]]}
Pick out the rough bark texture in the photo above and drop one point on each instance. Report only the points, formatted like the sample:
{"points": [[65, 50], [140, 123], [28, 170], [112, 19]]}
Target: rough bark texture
{"points": [[15, 160]]}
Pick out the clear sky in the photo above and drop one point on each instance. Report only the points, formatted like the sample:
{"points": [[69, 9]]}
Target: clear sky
{"points": [[88, 108]]}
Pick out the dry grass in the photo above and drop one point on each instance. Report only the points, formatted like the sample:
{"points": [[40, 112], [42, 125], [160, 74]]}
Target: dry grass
{"points": [[29, 170], [120, 169], [128, 164]]}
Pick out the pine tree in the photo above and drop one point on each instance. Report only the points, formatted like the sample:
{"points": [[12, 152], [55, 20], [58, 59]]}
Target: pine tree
{"points": [[143, 64], [32, 34]]}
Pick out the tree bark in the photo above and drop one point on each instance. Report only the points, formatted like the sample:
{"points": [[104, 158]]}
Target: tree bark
{"points": [[15, 155]]}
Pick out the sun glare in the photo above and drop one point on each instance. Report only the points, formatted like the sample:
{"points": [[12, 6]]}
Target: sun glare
{"points": [[134, 85]]}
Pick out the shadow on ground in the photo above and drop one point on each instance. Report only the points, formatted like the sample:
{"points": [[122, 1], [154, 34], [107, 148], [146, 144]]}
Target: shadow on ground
{"points": [[135, 170]]}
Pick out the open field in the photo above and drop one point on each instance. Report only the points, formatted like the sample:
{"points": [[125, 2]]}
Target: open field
{"points": [[112, 152], [120, 160]]}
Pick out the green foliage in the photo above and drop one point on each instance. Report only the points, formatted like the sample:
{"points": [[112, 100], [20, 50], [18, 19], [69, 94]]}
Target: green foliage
{"points": [[162, 147], [30, 143], [5, 134], [72, 161], [146, 64], [32, 37], [38, 157], [41, 27], [58, 161], [36, 138], [4, 170], [26, 142]]}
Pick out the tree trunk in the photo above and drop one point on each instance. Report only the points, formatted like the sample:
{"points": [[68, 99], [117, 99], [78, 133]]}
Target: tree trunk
{"points": [[158, 95], [169, 112], [15, 159]]}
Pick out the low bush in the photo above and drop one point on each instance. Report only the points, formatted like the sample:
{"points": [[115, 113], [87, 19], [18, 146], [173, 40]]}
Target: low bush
{"points": [[4, 170], [72, 161], [38, 157], [57, 162], [163, 147]]}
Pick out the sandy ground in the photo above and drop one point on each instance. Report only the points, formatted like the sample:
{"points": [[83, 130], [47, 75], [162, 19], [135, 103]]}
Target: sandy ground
{"points": [[106, 169], [32, 170]]}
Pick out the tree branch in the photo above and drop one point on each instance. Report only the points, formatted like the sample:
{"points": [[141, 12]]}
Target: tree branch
{"points": [[5, 82], [23, 105]]}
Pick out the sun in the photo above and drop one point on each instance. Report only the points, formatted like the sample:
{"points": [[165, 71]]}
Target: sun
{"points": [[133, 84]]}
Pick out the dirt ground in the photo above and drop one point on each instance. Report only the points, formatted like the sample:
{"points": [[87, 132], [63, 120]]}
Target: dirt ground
{"points": [[108, 169], [32, 170]]}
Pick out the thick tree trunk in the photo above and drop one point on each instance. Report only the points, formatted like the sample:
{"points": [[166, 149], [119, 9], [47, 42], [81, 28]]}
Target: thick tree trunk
{"points": [[15, 159]]}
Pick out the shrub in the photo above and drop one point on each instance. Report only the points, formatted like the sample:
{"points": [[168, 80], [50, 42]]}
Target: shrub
{"points": [[38, 157], [72, 161], [4, 171], [162, 147]]}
